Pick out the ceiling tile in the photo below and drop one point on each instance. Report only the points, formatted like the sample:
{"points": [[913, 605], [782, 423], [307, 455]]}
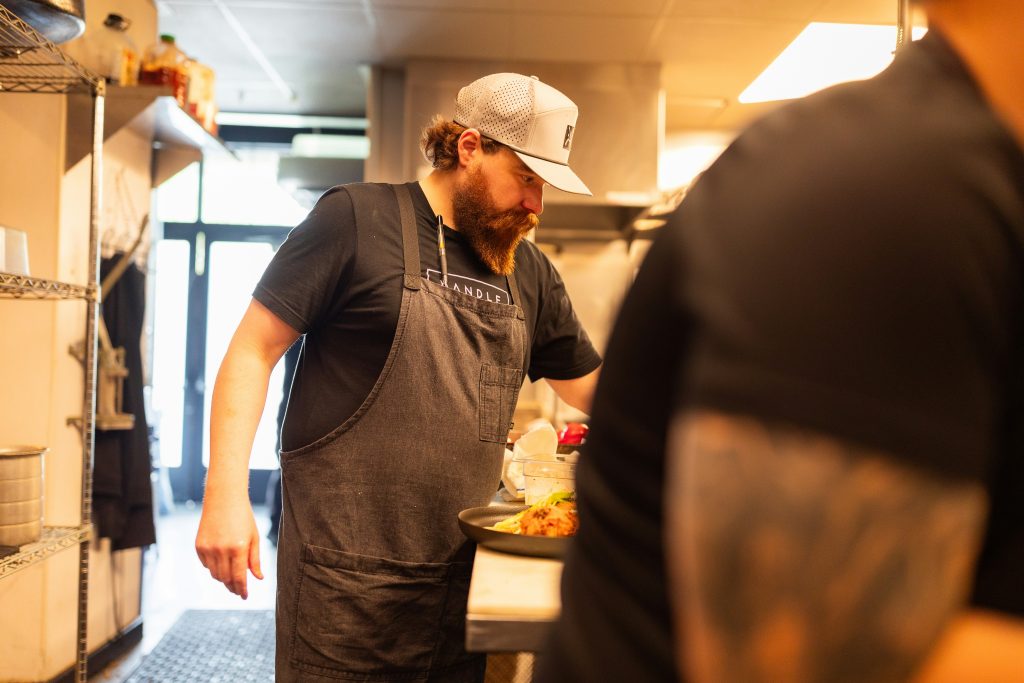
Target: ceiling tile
{"points": [[295, 5], [719, 59], [748, 10], [342, 33], [444, 34], [609, 8], [862, 12], [443, 5], [202, 33], [565, 38], [606, 8], [718, 41]]}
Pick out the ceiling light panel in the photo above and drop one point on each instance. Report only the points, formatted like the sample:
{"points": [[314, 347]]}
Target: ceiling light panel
{"points": [[823, 55]]}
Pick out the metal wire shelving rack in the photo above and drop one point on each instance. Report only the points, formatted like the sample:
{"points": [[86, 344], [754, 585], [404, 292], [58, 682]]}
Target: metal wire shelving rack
{"points": [[29, 63]]}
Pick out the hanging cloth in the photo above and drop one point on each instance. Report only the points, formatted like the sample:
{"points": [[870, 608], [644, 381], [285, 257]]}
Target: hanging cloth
{"points": [[122, 489]]}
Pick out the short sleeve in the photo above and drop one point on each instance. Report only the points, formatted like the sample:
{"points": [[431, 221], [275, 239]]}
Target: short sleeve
{"points": [[305, 280], [561, 347]]}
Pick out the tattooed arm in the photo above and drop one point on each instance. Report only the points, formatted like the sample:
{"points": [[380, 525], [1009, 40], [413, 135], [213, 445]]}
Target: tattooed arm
{"points": [[799, 558]]}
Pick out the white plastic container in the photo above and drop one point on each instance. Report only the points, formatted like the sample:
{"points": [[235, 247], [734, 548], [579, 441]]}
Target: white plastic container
{"points": [[13, 251], [539, 442], [546, 476]]}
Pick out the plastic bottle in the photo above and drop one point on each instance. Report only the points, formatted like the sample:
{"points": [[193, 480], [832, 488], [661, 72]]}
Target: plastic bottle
{"points": [[201, 104], [120, 58], [165, 64]]}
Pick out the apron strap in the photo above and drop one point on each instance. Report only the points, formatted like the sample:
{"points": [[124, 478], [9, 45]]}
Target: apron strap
{"points": [[410, 236], [513, 286]]}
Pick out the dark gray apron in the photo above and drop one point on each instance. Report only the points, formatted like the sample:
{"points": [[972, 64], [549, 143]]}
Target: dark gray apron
{"points": [[373, 571]]}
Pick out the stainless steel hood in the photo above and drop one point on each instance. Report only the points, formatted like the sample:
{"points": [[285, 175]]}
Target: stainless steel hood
{"points": [[617, 138]]}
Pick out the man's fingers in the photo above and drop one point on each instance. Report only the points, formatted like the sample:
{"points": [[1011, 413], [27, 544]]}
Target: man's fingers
{"points": [[237, 570], [254, 558], [227, 565]]}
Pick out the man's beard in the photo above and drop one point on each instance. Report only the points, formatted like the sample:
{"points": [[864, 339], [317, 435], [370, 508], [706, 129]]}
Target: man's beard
{"points": [[493, 234]]}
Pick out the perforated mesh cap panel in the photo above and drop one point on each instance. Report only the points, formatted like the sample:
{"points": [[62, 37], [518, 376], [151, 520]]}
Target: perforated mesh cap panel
{"points": [[500, 107], [533, 119]]}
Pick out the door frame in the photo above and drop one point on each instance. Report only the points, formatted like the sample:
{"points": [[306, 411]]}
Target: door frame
{"points": [[188, 480]]}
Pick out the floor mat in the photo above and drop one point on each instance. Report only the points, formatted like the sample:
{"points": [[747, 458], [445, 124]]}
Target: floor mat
{"points": [[212, 646]]}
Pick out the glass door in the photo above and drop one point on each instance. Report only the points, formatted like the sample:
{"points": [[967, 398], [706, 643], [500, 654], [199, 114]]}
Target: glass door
{"points": [[205, 275]]}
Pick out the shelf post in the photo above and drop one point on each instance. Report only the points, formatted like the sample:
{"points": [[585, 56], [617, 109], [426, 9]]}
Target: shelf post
{"points": [[89, 398]]}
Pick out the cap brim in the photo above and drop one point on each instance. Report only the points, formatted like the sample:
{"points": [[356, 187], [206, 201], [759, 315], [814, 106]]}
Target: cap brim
{"points": [[556, 175]]}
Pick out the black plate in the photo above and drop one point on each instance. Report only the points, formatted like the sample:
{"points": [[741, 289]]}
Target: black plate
{"points": [[474, 520]]}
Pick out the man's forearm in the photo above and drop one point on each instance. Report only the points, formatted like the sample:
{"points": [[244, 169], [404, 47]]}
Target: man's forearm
{"points": [[796, 557], [239, 396], [579, 392]]}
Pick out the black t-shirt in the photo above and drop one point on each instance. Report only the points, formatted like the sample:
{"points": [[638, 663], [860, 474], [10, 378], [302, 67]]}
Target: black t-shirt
{"points": [[853, 263], [341, 285]]}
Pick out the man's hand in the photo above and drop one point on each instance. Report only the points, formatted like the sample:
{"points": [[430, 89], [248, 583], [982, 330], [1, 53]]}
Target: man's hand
{"points": [[228, 543]]}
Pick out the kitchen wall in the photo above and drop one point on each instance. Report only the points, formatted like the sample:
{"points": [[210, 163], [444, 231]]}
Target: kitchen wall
{"points": [[42, 383]]}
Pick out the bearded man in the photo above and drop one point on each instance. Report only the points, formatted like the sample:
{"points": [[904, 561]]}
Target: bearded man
{"points": [[423, 309]]}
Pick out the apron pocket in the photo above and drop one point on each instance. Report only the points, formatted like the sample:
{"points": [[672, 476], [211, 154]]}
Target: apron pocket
{"points": [[366, 617], [499, 388]]}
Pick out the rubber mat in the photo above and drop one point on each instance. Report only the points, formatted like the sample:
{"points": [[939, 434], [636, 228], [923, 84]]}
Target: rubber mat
{"points": [[212, 646]]}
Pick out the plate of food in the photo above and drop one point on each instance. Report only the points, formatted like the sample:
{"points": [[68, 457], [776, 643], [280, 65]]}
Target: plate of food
{"points": [[539, 530]]}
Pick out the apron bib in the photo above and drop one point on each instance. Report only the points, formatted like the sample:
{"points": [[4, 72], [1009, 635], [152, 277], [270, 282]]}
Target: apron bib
{"points": [[373, 571]]}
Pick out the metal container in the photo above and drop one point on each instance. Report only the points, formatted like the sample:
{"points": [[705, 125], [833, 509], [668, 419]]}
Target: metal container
{"points": [[21, 512], [21, 494], [20, 534], [56, 20], [17, 490], [21, 462]]}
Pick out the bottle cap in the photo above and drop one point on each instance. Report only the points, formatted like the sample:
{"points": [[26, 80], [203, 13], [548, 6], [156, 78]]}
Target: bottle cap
{"points": [[117, 22]]}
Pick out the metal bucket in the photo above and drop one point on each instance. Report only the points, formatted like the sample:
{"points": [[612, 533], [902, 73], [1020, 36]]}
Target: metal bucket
{"points": [[57, 20]]}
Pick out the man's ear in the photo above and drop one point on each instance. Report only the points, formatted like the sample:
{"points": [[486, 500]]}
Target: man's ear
{"points": [[469, 146]]}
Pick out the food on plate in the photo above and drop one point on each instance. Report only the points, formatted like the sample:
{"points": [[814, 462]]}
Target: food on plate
{"points": [[554, 516], [556, 520]]}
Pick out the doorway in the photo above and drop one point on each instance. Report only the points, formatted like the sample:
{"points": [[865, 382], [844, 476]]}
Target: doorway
{"points": [[205, 275]]}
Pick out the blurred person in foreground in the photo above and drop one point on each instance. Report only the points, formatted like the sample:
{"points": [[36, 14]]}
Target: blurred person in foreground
{"points": [[423, 310], [806, 461]]}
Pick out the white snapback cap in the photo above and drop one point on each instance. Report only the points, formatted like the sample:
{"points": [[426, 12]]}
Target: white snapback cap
{"points": [[533, 119]]}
